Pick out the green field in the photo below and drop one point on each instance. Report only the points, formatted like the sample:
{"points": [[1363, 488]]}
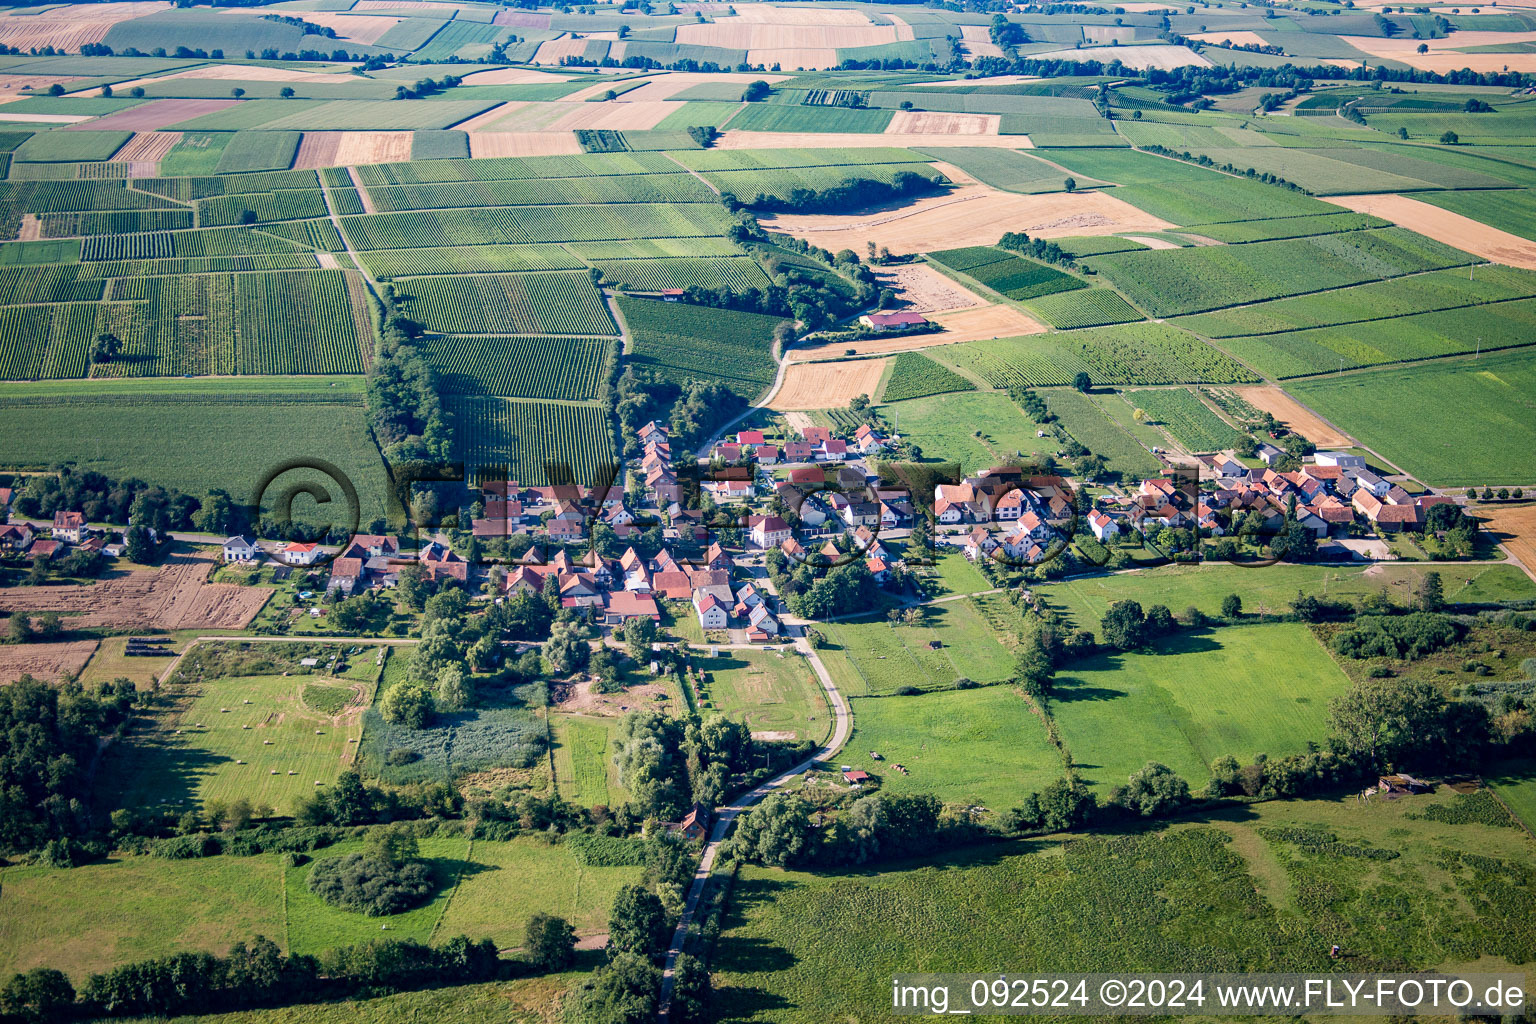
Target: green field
{"points": [[874, 657], [1086, 422], [1239, 690], [525, 436], [95, 917], [776, 694], [1515, 784], [982, 747], [1232, 894], [1448, 423], [946, 427], [126, 431], [196, 753], [584, 770], [1139, 353]]}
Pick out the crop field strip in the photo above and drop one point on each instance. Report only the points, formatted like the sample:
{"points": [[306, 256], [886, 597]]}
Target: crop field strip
{"points": [[531, 303], [1137, 353], [1189, 420], [572, 369], [512, 225]]}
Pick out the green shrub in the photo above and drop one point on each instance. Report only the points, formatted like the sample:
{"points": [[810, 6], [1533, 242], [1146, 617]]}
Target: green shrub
{"points": [[371, 885]]}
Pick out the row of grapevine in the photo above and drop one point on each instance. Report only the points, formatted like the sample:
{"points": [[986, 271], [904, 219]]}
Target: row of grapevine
{"points": [[737, 273], [681, 187], [554, 303], [196, 265], [503, 225], [289, 204], [114, 222], [511, 168], [188, 189], [469, 259], [526, 437], [514, 367], [229, 241], [151, 245]]}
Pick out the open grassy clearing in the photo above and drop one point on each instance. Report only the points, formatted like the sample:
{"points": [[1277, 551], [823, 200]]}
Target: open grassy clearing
{"points": [[776, 694], [976, 747], [1088, 425], [1448, 423], [1239, 690], [583, 760], [1515, 784], [875, 657], [1190, 421], [1230, 894], [104, 914]]}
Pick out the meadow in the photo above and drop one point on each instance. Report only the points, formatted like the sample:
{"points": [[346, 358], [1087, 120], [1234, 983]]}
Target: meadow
{"points": [[1087, 424], [91, 918], [582, 756], [1449, 423], [874, 657], [776, 694], [1233, 893], [984, 747], [1239, 690]]}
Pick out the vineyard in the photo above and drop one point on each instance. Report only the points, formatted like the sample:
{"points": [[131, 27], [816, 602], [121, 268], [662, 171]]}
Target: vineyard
{"points": [[534, 303], [512, 367], [1140, 353], [525, 437], [469, 259], [736, 273], [1090, 307], [680, 187], [259, 151], [1081, 418], [913, 375], [1166, 282], [1190, 421], [685, 342]]}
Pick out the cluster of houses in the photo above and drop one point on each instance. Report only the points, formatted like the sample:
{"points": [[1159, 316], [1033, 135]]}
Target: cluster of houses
{"points": [[1327, 494], [816, 445], [1029, 512], [69, 531]]}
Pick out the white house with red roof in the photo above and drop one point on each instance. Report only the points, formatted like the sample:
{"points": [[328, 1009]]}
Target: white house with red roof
{"points": [[300, 554]]}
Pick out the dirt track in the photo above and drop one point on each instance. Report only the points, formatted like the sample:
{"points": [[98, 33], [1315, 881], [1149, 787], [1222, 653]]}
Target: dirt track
{"points": [[175, 596]]}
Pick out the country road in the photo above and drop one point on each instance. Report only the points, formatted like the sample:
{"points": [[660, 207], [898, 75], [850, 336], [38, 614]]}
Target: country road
{"points": [[842, 725]]}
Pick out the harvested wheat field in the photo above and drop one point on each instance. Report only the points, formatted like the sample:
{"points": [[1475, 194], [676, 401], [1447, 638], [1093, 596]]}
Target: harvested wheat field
{"points": [[978, 324], [513, 76], [922, 122], [924, 290], [971, 215], [1295, 416], [22, 86], [666, 86], [1515, 529], [522, 144], [616, 116], [486, 118], [147, 146], [556, 50], [70, 26], [1151, 242], [827, 385], [734, 34], [48, 662], [1161, 56], [317, 149], [359, 28], [175, 596], [1444, 226], [1235, 38], [1117, 34], [732, 139], [1442, 57], [373, 148], [807, 58]]}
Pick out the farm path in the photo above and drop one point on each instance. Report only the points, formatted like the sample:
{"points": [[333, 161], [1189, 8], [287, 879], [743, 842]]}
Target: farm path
{"points": [[708, 184], [362, 191], [726, 816], [330, 210]]}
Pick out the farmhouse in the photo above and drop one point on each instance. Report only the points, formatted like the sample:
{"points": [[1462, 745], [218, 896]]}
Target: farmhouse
{"points": [[15, 537], [241, 548], [300, 554], [892, 321], [68, 526]]}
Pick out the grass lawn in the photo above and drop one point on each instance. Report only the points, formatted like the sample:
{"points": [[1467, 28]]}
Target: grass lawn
{"points": [[506, 882], [775, 693], [945, 426], [1486, 583], [983, 746], [584, 770], [1515, 783], [1239, 690], [95, 917], [873, 657], [951, 573], [1271, 588], [1230, 894], [193, 752], [110, 662]]}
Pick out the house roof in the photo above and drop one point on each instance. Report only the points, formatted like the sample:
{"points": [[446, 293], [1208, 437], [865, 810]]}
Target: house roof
{"points": [[895, 319], [627, 602]]}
